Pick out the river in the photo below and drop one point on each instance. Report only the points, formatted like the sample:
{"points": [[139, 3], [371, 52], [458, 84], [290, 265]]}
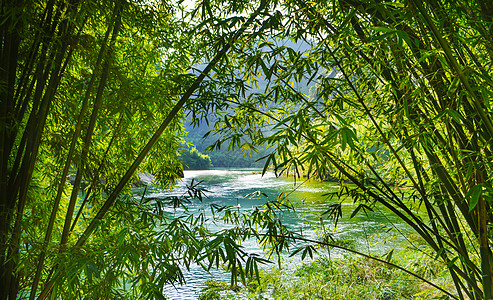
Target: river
{"points": [[367, 232]]}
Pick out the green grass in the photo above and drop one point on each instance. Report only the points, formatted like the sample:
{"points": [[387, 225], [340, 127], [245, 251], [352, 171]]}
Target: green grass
{"points": [[348, 278]]}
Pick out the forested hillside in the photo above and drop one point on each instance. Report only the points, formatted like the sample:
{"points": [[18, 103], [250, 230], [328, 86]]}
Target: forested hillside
{"points": [[223, 157]]}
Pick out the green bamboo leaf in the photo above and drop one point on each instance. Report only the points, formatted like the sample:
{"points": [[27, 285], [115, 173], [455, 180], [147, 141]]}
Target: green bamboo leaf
{"points": [[266, 165], [383, 29], [457, 117], [241, 271], [403, 36], [265, 69], [453, 86], [474, 193], [257, 276], [452, 262], [303, 255], [388, 257], [439, 253], [382, 36], [356, 211], [298, 250]]}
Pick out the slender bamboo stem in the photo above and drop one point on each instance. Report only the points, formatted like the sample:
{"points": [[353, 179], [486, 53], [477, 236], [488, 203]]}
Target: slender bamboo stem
{"points": [[171, 115], [61, 185], [90, 128]]}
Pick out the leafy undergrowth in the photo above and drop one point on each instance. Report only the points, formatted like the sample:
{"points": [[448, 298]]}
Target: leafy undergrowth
{"points": [[349, 278]]}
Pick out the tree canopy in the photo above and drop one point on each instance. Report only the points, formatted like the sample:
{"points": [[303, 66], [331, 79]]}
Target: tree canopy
{"points": [[382, 94]]}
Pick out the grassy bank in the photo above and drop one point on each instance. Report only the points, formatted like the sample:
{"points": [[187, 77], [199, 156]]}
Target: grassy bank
{"points": [[348, 278]]}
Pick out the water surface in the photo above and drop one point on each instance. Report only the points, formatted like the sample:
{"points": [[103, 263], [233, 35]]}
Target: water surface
{"points": [[228, 187]]}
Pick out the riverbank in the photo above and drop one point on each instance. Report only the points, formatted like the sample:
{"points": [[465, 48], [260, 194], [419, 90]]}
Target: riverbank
{"points": [[348, 278]]}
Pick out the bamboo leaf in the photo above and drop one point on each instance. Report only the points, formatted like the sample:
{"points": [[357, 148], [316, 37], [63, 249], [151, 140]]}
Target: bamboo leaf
{"points": [[388, 257], [473, 194]]}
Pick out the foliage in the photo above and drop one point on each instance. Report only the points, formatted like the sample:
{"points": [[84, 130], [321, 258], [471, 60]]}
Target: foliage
{"points": [[402, 98], [212, 289], [342, 278], [223, 157], [95, 89], [194, 160]]}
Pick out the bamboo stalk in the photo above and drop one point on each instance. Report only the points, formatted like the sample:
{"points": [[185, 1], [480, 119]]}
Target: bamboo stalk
{"points": [[32, 145], [66, 168], [131, 170], [90, 129], [459, 71], [9, 41], [96, 175]]}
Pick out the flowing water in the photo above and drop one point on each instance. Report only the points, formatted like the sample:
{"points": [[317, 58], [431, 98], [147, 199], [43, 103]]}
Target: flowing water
{"points": [[367, 232]]}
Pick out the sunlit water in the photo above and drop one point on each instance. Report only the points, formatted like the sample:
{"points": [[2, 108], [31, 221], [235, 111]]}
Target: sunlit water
{"points": [[228, 187]]}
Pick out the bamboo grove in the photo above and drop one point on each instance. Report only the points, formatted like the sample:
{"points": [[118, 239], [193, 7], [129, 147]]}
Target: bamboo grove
{"points": [[73, 101], [387, 96], [382, 95]]}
